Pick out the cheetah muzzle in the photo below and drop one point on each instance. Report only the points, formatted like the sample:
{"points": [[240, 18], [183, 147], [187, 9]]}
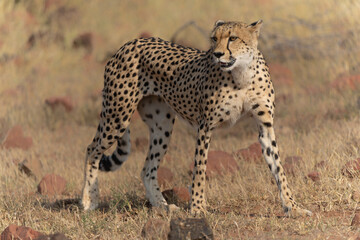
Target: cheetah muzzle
{"points": [[208, 89]]}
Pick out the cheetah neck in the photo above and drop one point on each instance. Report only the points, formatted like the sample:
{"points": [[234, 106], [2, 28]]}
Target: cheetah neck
{"points": [[242, 74]]}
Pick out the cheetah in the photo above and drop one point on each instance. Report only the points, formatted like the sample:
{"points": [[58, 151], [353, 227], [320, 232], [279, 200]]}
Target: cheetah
{"points": [[207, 89]]}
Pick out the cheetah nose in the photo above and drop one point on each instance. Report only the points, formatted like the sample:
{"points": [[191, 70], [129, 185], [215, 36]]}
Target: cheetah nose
{"points": [[218, 54]]}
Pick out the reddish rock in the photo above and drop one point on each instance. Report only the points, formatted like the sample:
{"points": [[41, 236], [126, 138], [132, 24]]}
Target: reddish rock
{"points": [[165, 176], [84, 40], [145, 35], [51, 185], [291, 164], [56, 236], [219, 163], [346, 81], [355, 196], [65, 102], [141, 143], [14, 232], [315, 176], [15, 139], [50, 4], [251, 154], [356, 220], [177, 194], [351, 168], [155, 229], [190, 228], [280, 74], [135, 116], [322, 164]]}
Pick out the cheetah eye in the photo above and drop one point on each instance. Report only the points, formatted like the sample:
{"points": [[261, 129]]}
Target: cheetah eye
{"points": [[214, 39], [232, 38]]}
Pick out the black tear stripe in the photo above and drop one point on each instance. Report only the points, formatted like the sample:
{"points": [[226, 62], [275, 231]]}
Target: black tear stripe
{"points": [[227, 46]]}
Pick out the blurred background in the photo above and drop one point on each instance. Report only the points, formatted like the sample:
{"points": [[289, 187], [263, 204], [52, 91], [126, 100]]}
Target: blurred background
{"points": [[58, 48], [52, 58]]}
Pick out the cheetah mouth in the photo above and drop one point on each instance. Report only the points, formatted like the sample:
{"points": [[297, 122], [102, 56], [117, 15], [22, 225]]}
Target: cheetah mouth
{"points": [[227, 64]]}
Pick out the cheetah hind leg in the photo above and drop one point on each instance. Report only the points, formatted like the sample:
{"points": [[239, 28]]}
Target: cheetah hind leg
{"points": [[160, 120], [101, 142]]}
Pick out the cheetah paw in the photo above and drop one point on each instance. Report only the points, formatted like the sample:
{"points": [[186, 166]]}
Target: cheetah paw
{"points": [[299, 212]]}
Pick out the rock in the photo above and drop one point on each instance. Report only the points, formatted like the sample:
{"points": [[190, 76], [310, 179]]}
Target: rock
{"points": [[220, 163], [135, 116], [145, 35], [356, 220], [322, 165], [155, 229], [190, 228], [56, 236], [51, 185], [15, 139], [141, 143], [346, 81], [351, 168], [14, 232], [291, 164], [24, 169], [355, 196], [84, 40], [251, 154], [315, 176], [165, 176], [176, 195], [65, 102], [280, 74]]}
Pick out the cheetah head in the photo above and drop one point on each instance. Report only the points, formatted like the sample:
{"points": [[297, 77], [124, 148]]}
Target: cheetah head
{"points": [[234, 43]]}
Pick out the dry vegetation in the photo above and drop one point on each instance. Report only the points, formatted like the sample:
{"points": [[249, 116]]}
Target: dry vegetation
{"points": [[317, 40]]}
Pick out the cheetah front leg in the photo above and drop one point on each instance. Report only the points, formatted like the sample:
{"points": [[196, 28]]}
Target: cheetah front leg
{"points": [[264, 118], [198, 202]]}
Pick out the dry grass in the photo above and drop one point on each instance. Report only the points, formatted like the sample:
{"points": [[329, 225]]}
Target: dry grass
{"points": [[317, 40]]}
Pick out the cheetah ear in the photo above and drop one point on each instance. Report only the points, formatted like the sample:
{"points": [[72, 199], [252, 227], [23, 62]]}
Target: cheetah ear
{"points": [[219, 23], [255, 27]]}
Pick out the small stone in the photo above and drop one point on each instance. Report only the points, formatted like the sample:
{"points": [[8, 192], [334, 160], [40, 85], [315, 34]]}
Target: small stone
{"points": [[141, 143], [65, 102], [291, 165], [322, 164], [351, 168], [355, 196], [14, 232], [251, 154], [190, 228], [52, 185], [281, 74], [346, 81], [176, 195], [15, 139], [155, 229], [356, 220], [145, 35], [219, 163], [315, 176], [56, 236], [165, 176], [84, 40]]}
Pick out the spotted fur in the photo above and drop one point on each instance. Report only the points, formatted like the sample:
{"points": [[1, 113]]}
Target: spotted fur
{"points": [[207, 89]]}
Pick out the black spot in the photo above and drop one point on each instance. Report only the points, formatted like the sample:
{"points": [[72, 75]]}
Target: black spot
{"points": [[268, 151], [261, 113], [267, 124]]}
